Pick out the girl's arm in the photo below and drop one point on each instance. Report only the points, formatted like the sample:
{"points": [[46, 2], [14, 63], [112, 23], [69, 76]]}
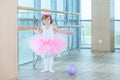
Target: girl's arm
{"points": [[61, 31], [38, 29]]}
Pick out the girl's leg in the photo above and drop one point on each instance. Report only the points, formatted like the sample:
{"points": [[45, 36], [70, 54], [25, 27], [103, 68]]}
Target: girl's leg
{"points": [[50, 61], [45, 60]]}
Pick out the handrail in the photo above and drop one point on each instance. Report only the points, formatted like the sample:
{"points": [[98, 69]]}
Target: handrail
{"points": [[46, 10], [31, 28], [71, 26], [25, 28]]}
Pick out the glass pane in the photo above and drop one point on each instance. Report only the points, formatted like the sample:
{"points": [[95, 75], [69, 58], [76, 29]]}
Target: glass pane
{"points": [[117, 24], [25, 53], [60, 5], [46, 4], [117, 9], [26, 3], [86, 9], [25, 18], [86, 22], [117, 34], [86, 34]]}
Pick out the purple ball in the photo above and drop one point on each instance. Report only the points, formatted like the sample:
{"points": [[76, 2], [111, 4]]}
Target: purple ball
{"points": [[71, 69]]}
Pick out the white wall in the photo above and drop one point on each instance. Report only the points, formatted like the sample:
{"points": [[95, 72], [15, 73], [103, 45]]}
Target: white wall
{"points": [[8, 40]]}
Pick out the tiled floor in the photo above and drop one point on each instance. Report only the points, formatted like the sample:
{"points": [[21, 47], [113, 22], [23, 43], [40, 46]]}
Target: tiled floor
{"points": [[90, 66]]}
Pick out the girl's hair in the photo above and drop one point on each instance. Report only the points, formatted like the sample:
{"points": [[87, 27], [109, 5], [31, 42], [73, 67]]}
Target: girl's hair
{"points": [[44, 16]]}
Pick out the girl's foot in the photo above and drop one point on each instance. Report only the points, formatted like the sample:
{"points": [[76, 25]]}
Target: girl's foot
{"points": [[44, 70], [51, 71]]}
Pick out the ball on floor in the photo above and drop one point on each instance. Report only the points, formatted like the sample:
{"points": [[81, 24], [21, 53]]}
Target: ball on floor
{"points": [[71, 69]]}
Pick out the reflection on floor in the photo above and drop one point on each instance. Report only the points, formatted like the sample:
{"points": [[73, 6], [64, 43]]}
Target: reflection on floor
{"points": [[90, 66]]}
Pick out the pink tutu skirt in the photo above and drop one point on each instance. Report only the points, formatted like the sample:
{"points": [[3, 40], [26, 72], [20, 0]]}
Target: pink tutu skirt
{"points": [[43, 46]]}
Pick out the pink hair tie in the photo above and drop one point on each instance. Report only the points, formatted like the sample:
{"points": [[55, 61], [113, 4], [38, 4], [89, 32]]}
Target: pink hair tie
{"points": [[47, 13]]}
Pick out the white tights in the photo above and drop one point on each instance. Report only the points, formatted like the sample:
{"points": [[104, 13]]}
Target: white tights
{"points": [[48, 63]]}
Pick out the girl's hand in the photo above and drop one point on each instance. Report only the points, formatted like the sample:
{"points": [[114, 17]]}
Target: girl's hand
{"points": [[35, 27], [38, 29]]}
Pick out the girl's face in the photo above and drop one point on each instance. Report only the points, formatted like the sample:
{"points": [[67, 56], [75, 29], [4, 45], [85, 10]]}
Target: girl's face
{"points": [[47, 21]]}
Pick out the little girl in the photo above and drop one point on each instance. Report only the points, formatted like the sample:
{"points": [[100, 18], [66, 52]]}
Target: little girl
{"points": [[46, 43]]}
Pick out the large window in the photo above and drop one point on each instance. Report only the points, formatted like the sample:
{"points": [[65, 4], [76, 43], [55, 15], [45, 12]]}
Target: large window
{"points": [[86, 21], [117, 24], [25, 18]]}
